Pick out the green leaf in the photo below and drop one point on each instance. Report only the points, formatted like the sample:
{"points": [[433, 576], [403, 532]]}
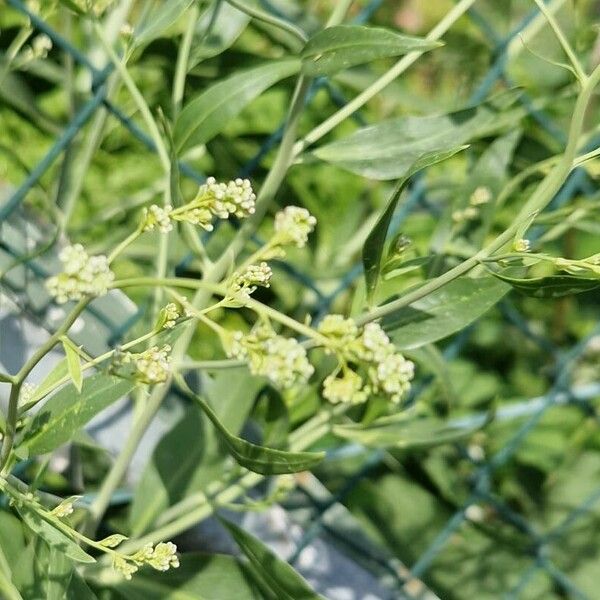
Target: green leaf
{"points": [[159, 19], [266, 461], [553, 286], [199, 577], [72, 6], [373, 246], [389, 149], [205, 116], [12, 545], [216, 34], [402, 431], [343, 46], [68, 411], [60, 571], [191, 455], [58, 372], [444, 312], [73, 362], [52, 536], [279, 578]]}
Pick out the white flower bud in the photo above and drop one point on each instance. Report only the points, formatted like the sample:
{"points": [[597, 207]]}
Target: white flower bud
{"points": [[347, 388], [522, 245], [158, 217], [481, 195], [82, 275], [293, 225]]}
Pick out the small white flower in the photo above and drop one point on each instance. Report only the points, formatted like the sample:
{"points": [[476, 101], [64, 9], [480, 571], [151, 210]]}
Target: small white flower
{"points": [[522, 245], [82, 275], [152, 366], [338, 329], [393, 376], [41, 45], [65, 508], [347, 388], [481, 195], [293, 225], [164, 556], [171, 314], [374, 344], [244, 284], [220, 200], [158, 217], [282, 360]]}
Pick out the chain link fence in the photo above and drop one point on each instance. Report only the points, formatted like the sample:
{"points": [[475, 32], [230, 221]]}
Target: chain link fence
{"points": [[322, 512]]}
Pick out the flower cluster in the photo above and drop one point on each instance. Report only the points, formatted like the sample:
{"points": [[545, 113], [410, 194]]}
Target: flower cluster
{"points": [[151, 366], [213, 199], [169, 315], [246, 283], [369, 363], [293, 226], [220, 200], [82, 275], [157, 217], [282, 360], [161, 557]]}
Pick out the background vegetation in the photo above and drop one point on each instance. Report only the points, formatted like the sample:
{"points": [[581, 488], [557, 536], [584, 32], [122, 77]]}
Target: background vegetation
{"points": [[495, 490]]}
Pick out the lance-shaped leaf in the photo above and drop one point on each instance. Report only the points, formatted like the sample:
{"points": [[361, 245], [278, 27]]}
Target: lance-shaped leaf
{"points": [[374, 244], [68, 410], [552, 286], [389, 149], [337, 48], [199, 577], [52, 536], [159, 19], [444, 312], [266, 461], [400, 431], [73, 362], [205, 116], [275, 576]]}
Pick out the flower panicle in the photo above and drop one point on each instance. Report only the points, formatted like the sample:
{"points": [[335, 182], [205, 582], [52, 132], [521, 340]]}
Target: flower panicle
{"points": [[369, 362], [282, 360], [151, 366], [82, 275]]}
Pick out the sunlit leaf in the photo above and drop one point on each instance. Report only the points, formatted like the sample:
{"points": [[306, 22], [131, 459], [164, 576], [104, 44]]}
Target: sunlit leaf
{"points": [[207, 114], [444, 312], [343, 46], [277, 576]]}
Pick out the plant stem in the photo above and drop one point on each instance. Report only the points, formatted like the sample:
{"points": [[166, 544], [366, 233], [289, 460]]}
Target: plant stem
{"points": [[126, 242], [560, 36], [402, 65], [537, 202], [13, 401], [438, 282], [183, 58], [137, 97], [88, 365], [270, 19], [309, 332], [175, 282], [205, 288], [280, 166]]}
